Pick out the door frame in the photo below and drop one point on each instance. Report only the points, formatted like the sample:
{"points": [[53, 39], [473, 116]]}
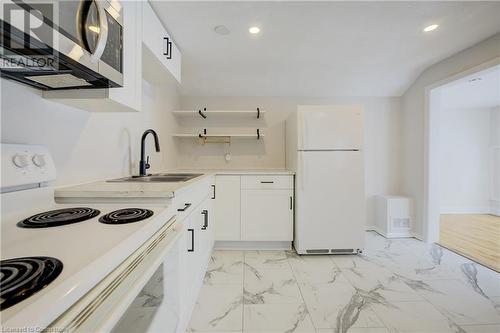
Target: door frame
{"points": [[431, 204]]}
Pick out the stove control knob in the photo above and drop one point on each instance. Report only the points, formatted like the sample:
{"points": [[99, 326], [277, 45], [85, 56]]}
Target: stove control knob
{"points": [[20, 160], [38, 160]]}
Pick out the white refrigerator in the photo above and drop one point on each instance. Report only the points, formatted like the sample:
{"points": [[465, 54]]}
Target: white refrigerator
{"points": [[325, 149]]}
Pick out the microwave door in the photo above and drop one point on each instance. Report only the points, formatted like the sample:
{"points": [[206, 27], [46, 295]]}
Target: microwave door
{"points": [[95, 31], [82, 32], [111, 61]]}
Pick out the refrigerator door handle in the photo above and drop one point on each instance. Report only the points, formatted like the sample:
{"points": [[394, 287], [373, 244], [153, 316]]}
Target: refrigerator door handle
{"points": [[300, 129], [305, 133], [302, 170]]}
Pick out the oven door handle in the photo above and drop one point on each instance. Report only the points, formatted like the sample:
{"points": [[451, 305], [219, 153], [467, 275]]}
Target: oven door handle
{"points": [[102, 39]]}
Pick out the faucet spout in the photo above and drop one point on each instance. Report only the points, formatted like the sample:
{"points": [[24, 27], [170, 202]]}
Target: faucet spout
{"points": [[143, 164]]}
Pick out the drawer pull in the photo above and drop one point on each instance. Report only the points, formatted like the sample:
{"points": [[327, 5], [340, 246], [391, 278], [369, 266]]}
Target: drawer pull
{"points": [[205, 221], [186, 206], [192, 240], [213, 196], [266, 182]]}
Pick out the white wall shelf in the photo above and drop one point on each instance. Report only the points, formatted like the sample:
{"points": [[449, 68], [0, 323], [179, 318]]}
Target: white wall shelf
{"points": [[233, 135], [219, 137], [220, 113], [209, 119]]}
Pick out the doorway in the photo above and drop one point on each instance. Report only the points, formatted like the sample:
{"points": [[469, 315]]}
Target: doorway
{"points": [[464, 166]]}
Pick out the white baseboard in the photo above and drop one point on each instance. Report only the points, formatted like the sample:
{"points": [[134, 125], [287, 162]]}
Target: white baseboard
{"points": [[252, 245], [466, 210], [417, 236], [495, 211], [406, 234]]}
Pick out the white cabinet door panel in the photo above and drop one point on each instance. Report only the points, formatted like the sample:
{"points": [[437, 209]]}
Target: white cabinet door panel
{"points": [[266, 215], [155, 38], [227, 208], [152, 33]]}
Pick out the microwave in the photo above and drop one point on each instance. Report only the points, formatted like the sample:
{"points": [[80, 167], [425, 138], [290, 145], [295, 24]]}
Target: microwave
{"points": [[62, 44]]}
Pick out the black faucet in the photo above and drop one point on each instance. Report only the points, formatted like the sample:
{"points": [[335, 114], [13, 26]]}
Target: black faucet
{"points": [[144, 164]]}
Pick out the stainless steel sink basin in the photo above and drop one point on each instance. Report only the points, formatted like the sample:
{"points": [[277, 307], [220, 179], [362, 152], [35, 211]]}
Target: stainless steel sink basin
{"points": [[158, 178]]}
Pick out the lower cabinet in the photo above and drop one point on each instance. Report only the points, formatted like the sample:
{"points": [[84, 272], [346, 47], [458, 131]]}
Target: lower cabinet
{"points": [[227, 204], [254, 207], [207, 229], [266, 215], [199, 240]]}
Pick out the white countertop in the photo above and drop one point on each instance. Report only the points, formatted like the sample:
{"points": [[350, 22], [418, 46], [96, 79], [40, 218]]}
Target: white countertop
{"points": [[238, 171], [148, 191]]}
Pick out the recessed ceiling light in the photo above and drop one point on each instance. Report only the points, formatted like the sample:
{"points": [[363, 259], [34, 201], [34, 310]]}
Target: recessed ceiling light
{"points": [[431, 27], [254, 30], [222, 30]]}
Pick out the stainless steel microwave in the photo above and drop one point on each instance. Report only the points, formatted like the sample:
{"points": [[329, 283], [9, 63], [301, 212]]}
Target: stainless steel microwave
{"points": [[62, 44]]}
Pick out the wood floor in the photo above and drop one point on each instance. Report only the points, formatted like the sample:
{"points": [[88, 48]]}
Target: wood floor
{"points": [[476, 237]]}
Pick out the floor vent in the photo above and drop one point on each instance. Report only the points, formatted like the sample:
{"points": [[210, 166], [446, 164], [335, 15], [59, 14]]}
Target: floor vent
{"points": [[343, 251], [321, 251], [401, 222]]}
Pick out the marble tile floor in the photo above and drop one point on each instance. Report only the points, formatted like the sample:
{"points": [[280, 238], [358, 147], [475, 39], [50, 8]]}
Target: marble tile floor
{"points": [[402, 285]]}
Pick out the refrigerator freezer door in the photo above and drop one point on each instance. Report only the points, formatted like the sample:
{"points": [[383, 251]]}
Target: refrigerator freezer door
{"points": [[330, 127], [330, 201]]}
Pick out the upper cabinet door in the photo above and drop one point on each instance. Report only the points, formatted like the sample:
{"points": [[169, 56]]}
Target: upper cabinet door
{"points": [[330, 127], [161, 51], [131, 92]]}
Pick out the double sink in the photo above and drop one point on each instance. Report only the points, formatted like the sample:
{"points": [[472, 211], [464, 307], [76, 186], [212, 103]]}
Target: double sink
{"points": [[158, 178]]}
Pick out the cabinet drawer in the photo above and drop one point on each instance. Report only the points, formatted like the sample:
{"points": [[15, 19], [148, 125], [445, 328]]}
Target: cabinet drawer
{"points": [[258, 182], [188, 198]]}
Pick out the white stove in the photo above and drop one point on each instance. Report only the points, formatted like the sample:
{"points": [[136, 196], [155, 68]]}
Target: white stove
{"points": [[53, 254]]}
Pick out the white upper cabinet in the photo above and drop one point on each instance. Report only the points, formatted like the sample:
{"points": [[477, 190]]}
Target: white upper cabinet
{"points": [[160, 51], [126, 98]]}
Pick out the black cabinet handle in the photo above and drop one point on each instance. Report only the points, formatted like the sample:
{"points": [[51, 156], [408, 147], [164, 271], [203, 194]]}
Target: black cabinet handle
{"points": [[266, 182], [167, 51], [167, 47], [213, 196], [192, 240], [291, 203], [186, 206], [205, 222]]}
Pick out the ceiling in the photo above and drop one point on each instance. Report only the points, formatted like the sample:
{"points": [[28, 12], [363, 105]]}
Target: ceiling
{"points": [[480, 90], [318, 49]]}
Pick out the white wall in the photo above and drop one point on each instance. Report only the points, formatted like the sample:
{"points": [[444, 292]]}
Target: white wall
{"points": [[89, 146], [382, 138], [464, 160], [495, 161], [413, 119]]}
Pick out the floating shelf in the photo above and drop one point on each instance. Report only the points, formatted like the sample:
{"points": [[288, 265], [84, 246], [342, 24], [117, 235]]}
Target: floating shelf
{"points": [[219, 113], [220, 135]]}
